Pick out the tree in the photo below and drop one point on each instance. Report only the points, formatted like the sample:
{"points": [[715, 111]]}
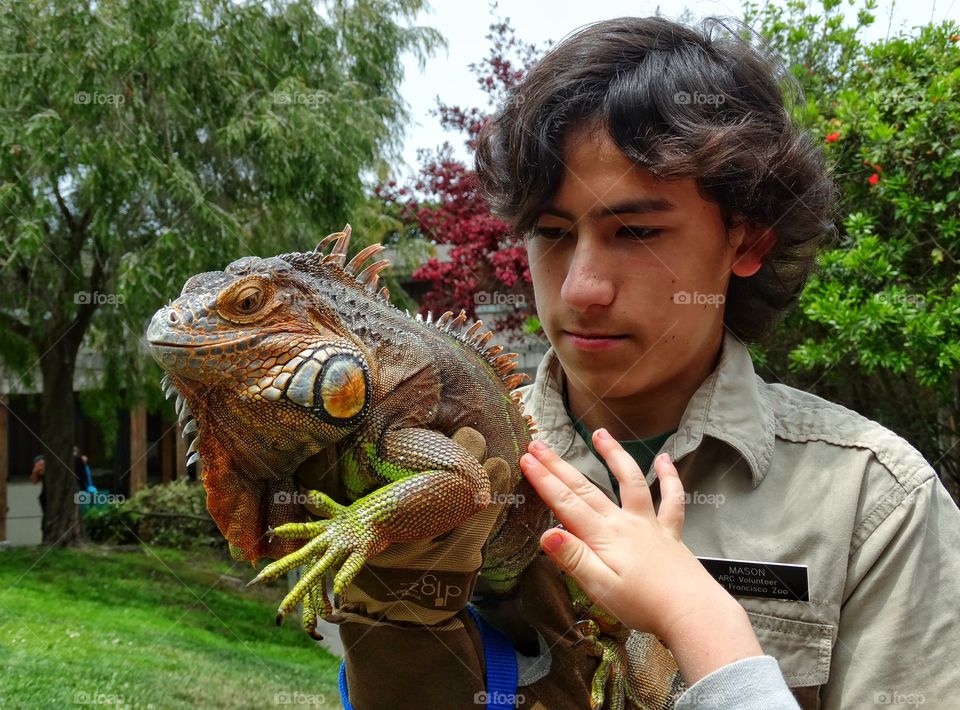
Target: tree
{"points": [[144, 142], [485, 261], [878, 324]]}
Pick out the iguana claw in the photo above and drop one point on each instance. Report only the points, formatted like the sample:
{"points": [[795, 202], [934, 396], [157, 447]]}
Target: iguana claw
{"points": [[609, 683], [343, 538]]}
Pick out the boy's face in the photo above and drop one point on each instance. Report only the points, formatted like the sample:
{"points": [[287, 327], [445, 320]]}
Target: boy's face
{"points": [[630, 275]]}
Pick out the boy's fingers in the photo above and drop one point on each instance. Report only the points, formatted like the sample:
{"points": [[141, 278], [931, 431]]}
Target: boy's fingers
{"points": [[575, 558], [672, 499], [634, 493], [569, 508], [585, 489]]}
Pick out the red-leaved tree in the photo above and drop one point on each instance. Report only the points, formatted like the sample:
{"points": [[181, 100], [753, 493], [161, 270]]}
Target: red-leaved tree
{"points": [[484, 262]]}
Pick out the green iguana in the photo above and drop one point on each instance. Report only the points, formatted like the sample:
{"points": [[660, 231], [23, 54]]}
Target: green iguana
{"points": [[277, 360]]}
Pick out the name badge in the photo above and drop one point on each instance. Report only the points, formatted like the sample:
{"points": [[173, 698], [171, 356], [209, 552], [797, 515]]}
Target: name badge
{"points": [[769, 580]]}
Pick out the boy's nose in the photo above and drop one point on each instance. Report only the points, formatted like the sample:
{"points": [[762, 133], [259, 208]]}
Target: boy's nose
{"points": [[587, 282]]}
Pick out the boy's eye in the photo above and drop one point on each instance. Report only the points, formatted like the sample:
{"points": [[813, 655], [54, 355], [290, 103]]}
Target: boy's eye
{"points": [[548, 232], [638, 232]]}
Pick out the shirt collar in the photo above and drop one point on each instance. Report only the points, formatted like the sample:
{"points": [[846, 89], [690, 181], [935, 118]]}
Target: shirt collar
{"points": [[728, 406]]}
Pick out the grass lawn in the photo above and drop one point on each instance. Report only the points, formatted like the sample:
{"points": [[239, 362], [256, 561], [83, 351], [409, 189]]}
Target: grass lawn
{"points": [[147, 628]]}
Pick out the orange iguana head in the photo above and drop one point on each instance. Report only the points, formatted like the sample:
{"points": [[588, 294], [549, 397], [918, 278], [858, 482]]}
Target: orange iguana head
{"points": [[267, 374]]}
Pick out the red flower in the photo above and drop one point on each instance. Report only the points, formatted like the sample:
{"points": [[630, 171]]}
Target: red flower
{"points": [[832, 137], [874, 179]]}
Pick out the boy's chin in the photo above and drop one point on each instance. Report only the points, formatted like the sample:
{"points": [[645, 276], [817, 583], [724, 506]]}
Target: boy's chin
{"points": [[604, 380]]}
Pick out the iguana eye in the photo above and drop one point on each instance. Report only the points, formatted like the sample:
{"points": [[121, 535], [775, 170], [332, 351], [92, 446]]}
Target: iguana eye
{"points": [[249, 300], [246, 302]]}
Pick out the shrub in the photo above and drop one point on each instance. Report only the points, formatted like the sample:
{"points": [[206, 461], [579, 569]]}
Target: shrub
{"points": [[171, 515]]}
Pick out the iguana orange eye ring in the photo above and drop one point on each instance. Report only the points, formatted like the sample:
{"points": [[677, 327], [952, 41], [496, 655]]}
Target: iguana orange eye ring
{"points": [[343, 389]]}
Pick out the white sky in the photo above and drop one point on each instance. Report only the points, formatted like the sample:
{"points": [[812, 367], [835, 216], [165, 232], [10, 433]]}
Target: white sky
{"points": [[464, 25]]}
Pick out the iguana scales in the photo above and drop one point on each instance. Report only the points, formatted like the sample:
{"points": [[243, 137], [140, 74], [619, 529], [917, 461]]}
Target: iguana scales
{"points": [[276, 360]]}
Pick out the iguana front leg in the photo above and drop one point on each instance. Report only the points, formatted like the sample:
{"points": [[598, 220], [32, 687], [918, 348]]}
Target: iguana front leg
{"points": [[606, 639], [433, 485]]}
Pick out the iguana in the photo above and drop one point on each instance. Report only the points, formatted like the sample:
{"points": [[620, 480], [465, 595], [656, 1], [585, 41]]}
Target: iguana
{"points": [[279, 360]]}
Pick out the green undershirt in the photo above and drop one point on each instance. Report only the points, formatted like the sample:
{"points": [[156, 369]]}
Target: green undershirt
{"points": [[643, 451]]}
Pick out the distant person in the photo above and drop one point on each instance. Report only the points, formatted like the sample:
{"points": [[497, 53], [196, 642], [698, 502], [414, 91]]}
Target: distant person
{"points": [[81, 472], [36, 476]]}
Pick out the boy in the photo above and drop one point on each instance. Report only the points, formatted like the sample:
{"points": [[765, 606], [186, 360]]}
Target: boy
{"points": [[673, 212]]}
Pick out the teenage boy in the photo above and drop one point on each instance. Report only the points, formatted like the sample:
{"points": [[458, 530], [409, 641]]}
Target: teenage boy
{"points": [[673, 211]]}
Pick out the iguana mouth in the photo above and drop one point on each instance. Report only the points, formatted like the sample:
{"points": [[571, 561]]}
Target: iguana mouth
{"points": [[204, 347]]}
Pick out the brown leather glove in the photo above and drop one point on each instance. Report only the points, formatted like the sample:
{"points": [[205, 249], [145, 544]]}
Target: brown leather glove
{"points": [[428, 581]]}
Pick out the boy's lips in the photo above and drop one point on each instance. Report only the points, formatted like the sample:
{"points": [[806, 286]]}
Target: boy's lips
{"points": [[592, 341]]}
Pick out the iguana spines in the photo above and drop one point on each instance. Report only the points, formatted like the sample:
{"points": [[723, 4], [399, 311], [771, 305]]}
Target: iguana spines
{"points": [[332, 265]]}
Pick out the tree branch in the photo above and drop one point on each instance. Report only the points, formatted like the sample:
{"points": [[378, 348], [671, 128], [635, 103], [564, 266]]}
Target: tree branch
{"points": [[97, 281], [86, 219], [14, 325], [67, 215]]}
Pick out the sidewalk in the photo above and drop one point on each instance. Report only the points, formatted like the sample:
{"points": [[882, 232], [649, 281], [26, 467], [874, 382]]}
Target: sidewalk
{"points": [[23, 514]]}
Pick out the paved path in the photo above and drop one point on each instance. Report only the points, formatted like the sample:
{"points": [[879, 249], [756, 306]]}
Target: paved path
{"points": [[23, 514]]}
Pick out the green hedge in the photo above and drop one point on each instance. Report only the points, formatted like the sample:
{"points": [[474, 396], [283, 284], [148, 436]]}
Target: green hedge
{"points": [[171, 515]]}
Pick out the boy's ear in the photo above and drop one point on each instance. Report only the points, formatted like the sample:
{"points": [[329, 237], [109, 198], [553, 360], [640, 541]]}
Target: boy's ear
{"points": [[755, 243]]}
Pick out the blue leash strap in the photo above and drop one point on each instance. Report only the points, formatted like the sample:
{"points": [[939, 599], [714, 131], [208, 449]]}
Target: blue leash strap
{"points": [[344, 695], [501, 664], [499, 659]]}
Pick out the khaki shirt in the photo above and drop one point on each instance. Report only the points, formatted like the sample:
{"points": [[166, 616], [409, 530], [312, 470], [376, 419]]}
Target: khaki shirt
{"points": [[773, 474]]}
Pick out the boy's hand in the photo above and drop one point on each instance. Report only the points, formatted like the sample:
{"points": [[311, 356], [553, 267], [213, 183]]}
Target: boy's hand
{"points": [[630, 560]]}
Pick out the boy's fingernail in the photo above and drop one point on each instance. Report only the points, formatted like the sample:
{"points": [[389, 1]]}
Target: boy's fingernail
{"points": [[603, 434], [551, 543], [528, 460], [539, 446]]}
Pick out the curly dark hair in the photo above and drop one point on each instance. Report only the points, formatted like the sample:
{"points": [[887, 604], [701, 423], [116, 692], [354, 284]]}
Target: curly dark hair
{"points": [[682, 102]]}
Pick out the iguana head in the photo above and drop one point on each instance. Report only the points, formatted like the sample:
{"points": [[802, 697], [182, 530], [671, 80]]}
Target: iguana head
{"points": [[270, 374]]}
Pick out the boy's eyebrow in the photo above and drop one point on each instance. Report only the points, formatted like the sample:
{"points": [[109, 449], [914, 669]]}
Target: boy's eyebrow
{"points": [[638, 206]]}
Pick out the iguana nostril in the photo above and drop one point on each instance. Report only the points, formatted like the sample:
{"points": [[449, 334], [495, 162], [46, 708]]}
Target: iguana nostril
{"points": [[173, 317]]}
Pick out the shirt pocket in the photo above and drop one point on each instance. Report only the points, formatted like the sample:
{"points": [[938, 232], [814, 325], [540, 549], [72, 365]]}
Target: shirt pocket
{"points": [[802, 649]]}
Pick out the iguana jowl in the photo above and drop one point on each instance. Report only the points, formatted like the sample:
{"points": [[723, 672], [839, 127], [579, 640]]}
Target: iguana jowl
{"points": [[276, 360]]}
